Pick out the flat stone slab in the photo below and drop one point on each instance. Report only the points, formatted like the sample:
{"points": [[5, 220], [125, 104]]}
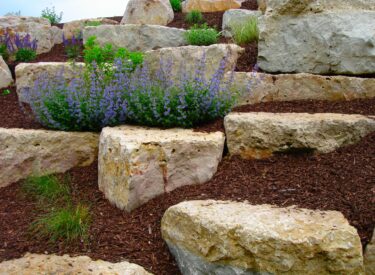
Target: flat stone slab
{"points": [[38, 152], [137, 164], [32, 264], [259, 135], [218, 237], [75, 27]]}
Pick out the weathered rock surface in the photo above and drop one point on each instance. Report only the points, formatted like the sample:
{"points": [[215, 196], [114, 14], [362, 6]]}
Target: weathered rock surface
{"points": [[189, 56], [38, 28], [57, 35], [237, 17], [5, 74], [137, 164], [38, 152], [151, 12], [32, 264], [76, 27], [217, 237], [259, 135], [262, 87], [324, 43], [210, 5], [28, 73], [370, 257], [137, 37]]}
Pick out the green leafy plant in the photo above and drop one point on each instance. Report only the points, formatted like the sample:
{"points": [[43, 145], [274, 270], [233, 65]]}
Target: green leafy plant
{"points": [[4, 51], [245, 33], [93, 23], [176, 5], [51, 15], [194, 17], [66, 224], [202, 35], [25, 55], [6, 92]]}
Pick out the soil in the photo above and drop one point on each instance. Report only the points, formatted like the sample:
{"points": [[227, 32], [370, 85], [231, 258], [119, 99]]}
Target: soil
{"points": [[324, 182]]}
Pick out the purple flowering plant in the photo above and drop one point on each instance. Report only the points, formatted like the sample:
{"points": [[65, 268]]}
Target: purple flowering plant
{"points": [[95, 99], [5, 41], [22, 47], [72, 47]]}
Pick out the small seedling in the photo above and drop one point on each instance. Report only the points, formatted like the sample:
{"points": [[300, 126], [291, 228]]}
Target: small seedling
{"points": [[6, 92]]}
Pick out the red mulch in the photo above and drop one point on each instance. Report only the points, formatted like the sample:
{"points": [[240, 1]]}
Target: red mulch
{"points": [[325, 182]]}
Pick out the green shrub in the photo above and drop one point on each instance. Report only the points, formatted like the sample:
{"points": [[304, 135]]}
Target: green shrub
{"points": [[202, 35], [93, 23], [67, 225], [194, 17], [25, 55], [51, 15], [4, 51], [245, 33], [176, 5]]}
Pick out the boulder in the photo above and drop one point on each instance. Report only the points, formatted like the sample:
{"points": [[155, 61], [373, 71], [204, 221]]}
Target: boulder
{"points": [[28, 73], [151, 12], [57, 35], [39, 152], [210, 5], [370, 256], [237, 17], [344, 43], [263, 87], [137, 37], [76, 27], [38, 28], [6, 78], [259, 135], [218, 237], [32, 264], [137, 164], [189, 56]]}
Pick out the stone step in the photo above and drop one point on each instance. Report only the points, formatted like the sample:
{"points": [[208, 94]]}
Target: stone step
{"points": [[259, 135], [218, 237], [137, 164]]}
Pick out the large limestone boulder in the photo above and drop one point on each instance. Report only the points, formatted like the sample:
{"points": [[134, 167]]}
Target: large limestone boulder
{"points": [[370, 256], [5, 74], [189, 56], [137, 164], [151, 12], [76, 27], [32, 264], [210, 5], [28, 73], [57, 35], [38, 28], [37, 152], [137, 37], [217, 237], [237, 17], [343, 44], [263, 87], [259, 135]]}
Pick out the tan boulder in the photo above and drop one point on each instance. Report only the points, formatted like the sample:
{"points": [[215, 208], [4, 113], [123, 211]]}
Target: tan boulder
{"points": [[5, 75], [370, 256], [76, 27], [210, 5]]}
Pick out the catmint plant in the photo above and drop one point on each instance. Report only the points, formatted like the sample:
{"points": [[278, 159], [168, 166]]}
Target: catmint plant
{"points": [[24, 48], [72, 47]]}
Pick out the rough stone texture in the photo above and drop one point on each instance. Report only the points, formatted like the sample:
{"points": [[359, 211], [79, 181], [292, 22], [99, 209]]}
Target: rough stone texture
{"points": [[28, 73], [151, 12], [189, 56], [217, 237], [76, 27], [57, 35], [32, 264], [370, 257], [137, 164], [237, 16], [259, 135], [210, 5], [5, 74], [36, 152], [38, 28], [324, 43], [262, 87], [137, 37]]}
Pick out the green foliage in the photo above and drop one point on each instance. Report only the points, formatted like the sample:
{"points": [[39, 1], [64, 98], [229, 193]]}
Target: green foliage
{"points": [[245, 33], [202, 35], [73, 51], [93, 23], [6, 92], [66, 224], [194, 17], [4, 51], [25, 55], [51, 15], [176, 5]]}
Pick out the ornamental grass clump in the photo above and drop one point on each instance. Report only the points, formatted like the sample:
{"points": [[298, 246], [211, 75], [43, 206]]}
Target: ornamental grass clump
{"points": [[95, 99], [247, 32], [176, 5]]}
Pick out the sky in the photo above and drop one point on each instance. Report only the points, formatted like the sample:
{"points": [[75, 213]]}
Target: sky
{"points": [[72, 9]]}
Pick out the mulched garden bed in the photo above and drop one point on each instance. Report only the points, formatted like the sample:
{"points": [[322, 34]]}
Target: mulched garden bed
{"points": [[324, 182]]}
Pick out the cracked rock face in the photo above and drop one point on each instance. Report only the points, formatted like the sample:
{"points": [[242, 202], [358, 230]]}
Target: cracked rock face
{"points": [[231, 238], [5, 74], [137, 164]]}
